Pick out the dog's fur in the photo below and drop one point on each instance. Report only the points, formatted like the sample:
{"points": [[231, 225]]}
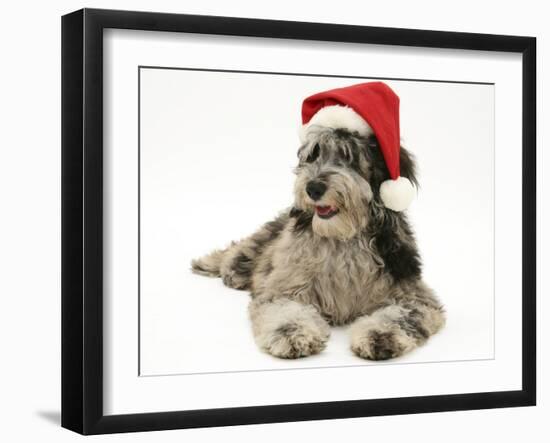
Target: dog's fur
{"points": [[361, 266]]}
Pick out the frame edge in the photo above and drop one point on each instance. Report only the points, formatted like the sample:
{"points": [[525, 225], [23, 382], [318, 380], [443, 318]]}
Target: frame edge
{"points": [[529, 220], [81, 224], [72, 256]]}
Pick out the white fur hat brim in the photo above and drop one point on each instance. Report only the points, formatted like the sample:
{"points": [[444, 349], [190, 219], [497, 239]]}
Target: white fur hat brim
{"points": [[336, 117]]}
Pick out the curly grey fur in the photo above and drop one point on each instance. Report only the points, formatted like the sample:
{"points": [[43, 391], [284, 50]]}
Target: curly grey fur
{"points": [[360, 266]]}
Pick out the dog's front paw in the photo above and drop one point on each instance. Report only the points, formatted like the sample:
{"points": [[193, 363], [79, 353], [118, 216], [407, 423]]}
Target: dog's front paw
{"points": [[380, 345], [379, 341], [295, 340], [288, 329]]}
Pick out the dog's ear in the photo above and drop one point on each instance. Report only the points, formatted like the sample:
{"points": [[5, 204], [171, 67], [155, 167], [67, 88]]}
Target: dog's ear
{"points": [[407, 166], [395, 244], [378, 169], [393, 238]]}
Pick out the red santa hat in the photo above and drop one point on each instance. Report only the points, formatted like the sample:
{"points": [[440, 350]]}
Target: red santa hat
{"points": [[366, 108]]}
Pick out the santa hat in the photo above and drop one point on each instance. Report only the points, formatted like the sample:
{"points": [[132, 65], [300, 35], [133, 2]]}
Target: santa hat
{"points": [[365, 108]]}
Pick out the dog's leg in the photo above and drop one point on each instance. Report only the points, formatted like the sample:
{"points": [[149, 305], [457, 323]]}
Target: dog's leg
{"points": [[286, 328], [235, 264], [395, 329]]}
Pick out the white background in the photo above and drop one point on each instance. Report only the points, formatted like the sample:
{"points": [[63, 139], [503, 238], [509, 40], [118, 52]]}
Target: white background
{"points": [[30, 183], [209, 178]]}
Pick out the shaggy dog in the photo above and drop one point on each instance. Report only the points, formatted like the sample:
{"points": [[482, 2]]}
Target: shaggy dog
{"points": [[337, 256]]}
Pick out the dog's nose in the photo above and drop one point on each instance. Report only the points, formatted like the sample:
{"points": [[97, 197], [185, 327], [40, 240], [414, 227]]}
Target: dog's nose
{"points": [[316, 189]]}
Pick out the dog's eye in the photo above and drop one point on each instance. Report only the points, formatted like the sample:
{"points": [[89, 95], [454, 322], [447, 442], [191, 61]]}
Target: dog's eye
{"points": [[314, 154]]}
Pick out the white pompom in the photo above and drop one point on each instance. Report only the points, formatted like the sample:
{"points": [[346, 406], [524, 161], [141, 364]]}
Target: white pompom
{"points": [[397, 194]]}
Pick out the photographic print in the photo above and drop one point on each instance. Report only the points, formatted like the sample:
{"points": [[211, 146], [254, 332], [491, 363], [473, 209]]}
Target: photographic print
{"points": [[349, 220], [269, 221]]}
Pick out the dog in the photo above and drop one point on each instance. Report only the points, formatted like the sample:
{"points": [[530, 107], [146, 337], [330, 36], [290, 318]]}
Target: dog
{"points": [[337, 256]]}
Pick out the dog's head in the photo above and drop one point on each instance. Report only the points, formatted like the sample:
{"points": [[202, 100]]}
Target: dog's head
{"points": [[338, 180]]}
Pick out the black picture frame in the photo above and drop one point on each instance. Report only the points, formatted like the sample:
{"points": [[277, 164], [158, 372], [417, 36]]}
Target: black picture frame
{"points": [[82, 220]]}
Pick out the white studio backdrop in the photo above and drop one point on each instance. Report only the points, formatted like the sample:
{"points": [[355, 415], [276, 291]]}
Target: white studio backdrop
{"points": [[30, 254], [217, 152], [174, 231]]}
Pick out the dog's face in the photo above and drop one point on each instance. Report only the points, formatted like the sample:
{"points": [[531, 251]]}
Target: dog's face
{"points": [[338, 176]]}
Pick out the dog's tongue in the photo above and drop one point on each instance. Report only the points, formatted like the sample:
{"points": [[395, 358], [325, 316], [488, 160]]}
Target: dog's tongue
{"points": [[323, 210]]}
